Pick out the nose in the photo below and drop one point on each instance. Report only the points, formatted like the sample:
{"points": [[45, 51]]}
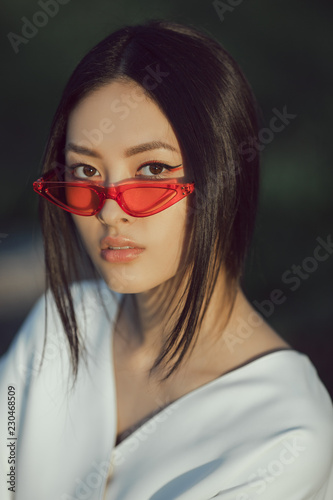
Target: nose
{"points": [[112, 213]]}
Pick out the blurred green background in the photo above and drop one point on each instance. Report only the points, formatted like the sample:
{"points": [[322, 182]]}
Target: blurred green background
{"points": [[284, 48]]}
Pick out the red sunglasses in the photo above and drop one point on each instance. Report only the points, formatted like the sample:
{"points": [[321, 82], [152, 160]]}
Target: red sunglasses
{"points": [[136, 198]]}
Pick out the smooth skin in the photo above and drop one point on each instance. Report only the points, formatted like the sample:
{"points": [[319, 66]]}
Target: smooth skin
{"points": [[119, 128]]}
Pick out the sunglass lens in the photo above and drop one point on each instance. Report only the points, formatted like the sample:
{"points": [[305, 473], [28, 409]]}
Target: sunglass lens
{"points": [[147, 199], [79, 199]]}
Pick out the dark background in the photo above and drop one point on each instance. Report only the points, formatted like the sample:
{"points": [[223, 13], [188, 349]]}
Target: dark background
{"points": [[284, 48]]}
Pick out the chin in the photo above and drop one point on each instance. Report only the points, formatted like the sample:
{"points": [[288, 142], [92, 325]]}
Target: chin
{"points": [[122, 281]]}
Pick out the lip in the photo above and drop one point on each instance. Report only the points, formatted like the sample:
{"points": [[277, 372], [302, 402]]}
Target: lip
{"points": [[120, 241], [125, 255]]}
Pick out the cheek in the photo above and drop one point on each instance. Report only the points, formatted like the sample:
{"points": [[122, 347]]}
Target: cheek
{"points": [[87, 229], [168, 231]]}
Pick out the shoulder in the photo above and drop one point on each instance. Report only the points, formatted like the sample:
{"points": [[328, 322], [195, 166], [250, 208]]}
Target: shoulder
{"points": [[290, 414], [50, 411], [43, 324], [270, 425], [285, 389], [289, 375]]}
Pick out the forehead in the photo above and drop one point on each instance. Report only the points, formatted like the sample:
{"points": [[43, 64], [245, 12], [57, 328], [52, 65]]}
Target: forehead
{"points": [[119, 113]]}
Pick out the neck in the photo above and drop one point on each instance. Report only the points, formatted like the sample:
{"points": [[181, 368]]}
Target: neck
{"points": [[149, 320]]}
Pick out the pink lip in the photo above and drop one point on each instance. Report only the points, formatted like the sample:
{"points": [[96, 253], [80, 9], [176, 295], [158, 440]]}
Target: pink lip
{"points": [[119, 255], [118, 242]]}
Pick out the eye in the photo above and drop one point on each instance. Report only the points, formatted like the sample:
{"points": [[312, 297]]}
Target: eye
{"points": [[155, 169], [83, 171]]}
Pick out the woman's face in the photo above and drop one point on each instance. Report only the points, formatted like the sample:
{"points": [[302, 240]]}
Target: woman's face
{"points": [[118, 133]]}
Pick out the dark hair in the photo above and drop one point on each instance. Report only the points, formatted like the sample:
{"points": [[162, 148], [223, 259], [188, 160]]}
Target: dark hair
{"points": [[208, 101]]}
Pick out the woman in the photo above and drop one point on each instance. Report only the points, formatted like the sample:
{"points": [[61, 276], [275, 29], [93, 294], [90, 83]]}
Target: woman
{"points": [[156, 379]]}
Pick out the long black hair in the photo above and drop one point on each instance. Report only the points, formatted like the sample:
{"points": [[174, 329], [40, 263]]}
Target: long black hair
{"points": [[207, 100]]}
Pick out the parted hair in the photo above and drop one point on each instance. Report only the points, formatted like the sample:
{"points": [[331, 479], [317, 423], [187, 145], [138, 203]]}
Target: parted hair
{"points": [[209, 103]]}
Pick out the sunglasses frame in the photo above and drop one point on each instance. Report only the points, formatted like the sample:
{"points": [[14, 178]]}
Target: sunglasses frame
{"points": [[114, 192]]}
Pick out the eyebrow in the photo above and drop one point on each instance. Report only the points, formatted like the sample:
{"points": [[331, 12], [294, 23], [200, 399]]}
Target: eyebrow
{"points": [[149, 146], [140, 148], [81, 150]]}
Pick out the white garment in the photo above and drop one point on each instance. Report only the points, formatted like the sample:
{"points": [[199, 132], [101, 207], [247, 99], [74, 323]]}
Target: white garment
{"points": [[262, 431]]}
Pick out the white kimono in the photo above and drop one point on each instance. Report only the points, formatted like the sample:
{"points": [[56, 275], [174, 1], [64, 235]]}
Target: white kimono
{"points": [[262, 431]]}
